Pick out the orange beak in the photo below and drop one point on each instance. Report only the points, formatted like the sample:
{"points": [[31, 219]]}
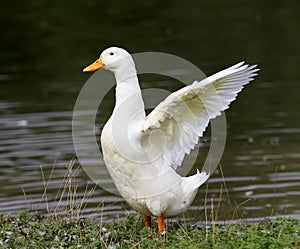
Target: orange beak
{"points": [[94, 66]]}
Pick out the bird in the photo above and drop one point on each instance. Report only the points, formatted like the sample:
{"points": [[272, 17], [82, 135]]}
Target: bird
{"points": [[142, 152]]}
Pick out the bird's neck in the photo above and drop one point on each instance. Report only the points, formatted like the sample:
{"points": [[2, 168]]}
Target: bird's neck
{"points": [[129, 101]]}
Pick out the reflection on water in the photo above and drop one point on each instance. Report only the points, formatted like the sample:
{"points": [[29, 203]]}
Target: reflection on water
{"points": [[42, 55]]}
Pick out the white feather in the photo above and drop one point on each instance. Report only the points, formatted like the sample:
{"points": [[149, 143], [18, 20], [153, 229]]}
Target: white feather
{"points": [[173, 128], [184, 115]]}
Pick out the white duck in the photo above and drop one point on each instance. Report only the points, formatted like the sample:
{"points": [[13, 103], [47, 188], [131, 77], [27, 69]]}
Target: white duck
{"points": [[142, 152]]}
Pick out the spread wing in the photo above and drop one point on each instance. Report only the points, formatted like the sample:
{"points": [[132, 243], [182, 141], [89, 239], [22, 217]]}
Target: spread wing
{"points": [[183, 116]]}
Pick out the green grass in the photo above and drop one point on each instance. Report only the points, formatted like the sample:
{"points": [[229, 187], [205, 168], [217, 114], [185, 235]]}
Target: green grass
{"points": [[34, 231], [63, 227]]}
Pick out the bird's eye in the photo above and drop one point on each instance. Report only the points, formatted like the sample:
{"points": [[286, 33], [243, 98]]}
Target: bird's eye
{"points": [[111, 53]]}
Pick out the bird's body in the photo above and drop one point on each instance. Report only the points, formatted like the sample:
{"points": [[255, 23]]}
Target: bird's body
{"points": [[142, 152], [153, 189]]}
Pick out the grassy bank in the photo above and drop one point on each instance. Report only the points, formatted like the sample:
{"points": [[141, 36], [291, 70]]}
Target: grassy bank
{"points": [[34, 231], [63, 227]]}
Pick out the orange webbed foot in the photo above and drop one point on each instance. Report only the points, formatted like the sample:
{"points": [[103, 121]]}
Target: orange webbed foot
{"points": [[147, 221], [161, 224]]}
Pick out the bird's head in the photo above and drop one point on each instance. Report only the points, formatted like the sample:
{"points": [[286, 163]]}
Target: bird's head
{"points": [[113, 59]]}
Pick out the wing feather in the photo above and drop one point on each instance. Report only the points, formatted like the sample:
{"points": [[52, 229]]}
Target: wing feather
{"points": [[184, 115]]}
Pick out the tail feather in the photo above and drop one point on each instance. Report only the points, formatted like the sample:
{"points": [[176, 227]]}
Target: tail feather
{"points": [[193, 182], [190, 187]]}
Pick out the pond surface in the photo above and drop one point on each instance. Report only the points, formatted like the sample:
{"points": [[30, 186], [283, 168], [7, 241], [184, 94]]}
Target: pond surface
{"points": [[44, 47]]}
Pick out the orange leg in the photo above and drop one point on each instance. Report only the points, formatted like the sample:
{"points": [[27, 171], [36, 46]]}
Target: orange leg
{"points": [[161, 224], [147, 221]]}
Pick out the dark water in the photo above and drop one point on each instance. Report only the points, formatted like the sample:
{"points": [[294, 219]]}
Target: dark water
{"points": [[44, 47]]}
